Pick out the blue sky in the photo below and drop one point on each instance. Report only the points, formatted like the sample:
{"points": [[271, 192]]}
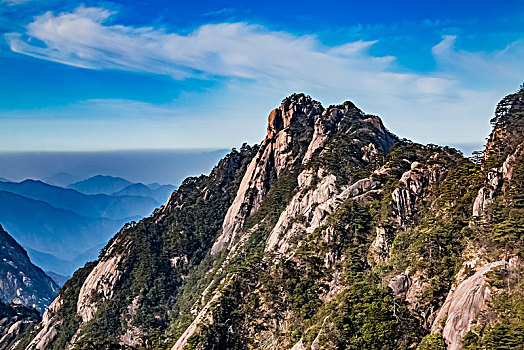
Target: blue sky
{"points": [[117, 75]]}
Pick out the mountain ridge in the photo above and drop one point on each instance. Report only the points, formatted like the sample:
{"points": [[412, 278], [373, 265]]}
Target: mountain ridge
{"points": [[49, 229], [100, 184], [332, 233], [67, 212], [93, 205], [160, 193]]}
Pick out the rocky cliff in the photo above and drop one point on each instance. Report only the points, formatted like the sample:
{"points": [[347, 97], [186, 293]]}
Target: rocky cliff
{"points": [[332, 233], [15, 320], [21, 282]]}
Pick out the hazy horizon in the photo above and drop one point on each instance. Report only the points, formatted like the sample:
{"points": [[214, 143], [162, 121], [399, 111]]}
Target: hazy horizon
{"points": [[146, 166]]}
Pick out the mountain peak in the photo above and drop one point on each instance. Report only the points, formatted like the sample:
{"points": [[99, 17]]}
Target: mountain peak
{"points": [[509, 109], [297, 129], [298, 98], [508, 127], [296, 110], [332, 233], [97, 184]]}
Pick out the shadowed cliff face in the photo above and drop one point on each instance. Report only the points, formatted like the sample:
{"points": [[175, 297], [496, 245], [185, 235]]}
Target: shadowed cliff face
{"points": [[25, 292], [14, 321], [293, 243], [21, 282]]}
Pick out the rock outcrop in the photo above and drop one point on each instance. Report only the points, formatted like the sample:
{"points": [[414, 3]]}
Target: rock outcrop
{"points": [[313, 206], [462, 306], [415, 184], [21, 282], [333, 233], [496, 179], [400, 284], [99, 285], [14, 321], [504, 146], [296, 130], [49, 326], [289, 131]]}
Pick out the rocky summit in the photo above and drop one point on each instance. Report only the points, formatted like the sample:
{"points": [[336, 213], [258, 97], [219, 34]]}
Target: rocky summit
{"points": [[332, 233]]}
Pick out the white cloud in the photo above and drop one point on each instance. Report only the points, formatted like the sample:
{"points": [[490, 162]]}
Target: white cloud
{"points": [[261, 66], [495, 68], [83, 38]]}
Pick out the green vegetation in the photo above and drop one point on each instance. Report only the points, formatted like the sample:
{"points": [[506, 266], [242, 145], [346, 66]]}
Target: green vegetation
{"points": [[367, 317], [69, 294], [432, 342], [330, 286], [149, 278]]}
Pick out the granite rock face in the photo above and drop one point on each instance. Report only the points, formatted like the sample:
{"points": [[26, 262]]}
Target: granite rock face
{"points": [[21, 282], [296, 130], [462, 306], [400, 284], [14, 321], [49, 327], [289, 131], [415, 184], [495, 182], [291, 243]]}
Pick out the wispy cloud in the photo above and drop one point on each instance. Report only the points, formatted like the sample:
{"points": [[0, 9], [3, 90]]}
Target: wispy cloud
{"points": [[84, 38], [261, 65], [15, 2], [487, 68]]}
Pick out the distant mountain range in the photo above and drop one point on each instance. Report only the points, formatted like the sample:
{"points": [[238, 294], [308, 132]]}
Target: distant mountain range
{"points": [[61, 179], [160, 194], [95, 205], [40, 226], [100, 184], [62, 228]]}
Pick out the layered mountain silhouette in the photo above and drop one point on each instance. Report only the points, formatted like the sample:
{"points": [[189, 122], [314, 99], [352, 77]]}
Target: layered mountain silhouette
{"points": [[98, 205], [61, 179], [100, 184], [160, 193], [62, 228]]}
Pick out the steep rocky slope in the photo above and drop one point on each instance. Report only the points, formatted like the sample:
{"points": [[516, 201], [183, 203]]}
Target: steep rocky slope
{"points": [[127, 296], [333, 233], [15, 320], [21, 282]]}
